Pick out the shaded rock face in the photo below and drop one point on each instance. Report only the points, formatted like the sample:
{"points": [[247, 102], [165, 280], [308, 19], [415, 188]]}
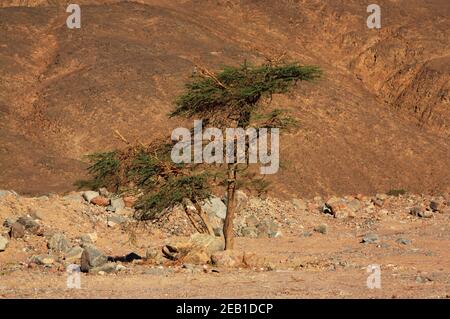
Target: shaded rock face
{"points": [[401, 64], [91, 258]]}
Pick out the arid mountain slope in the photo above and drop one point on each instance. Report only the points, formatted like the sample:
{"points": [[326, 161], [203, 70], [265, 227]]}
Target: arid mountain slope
{"points": [[378, 120]]}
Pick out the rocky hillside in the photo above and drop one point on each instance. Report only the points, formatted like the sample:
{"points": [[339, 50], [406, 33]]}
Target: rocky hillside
{"points": [[378, 120]]}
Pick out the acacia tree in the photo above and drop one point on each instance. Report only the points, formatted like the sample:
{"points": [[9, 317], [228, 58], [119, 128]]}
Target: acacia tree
{"points": [[230, 98]]}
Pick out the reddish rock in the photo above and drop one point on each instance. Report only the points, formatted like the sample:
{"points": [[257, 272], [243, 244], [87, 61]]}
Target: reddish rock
{"points": [[100, 201], [129, 201], [17, 230]]}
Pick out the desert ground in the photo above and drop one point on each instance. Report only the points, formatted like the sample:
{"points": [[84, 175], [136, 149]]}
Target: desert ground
{"points": [[364, 180], [307, 253]]}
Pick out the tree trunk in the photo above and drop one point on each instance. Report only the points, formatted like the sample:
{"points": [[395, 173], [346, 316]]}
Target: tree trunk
{"points": [[228, 224]]}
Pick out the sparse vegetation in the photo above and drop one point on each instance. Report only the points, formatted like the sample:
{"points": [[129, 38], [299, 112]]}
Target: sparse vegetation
{"points": [[396, 192]]}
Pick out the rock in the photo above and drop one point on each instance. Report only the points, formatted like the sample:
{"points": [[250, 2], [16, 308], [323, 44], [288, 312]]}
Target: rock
{"points": [[17, 230], [251, 221], [76, 197], [227, 258], [155, 255], [299, 204], [377, 202], [354, 205], [253, 260], [241, 199], [100, 201], [104, 192], [73, 255], [370, 238], [3, 243], [115, 219], [106, 268], [382, 197], [423, 279], [435, 207], [4, 193], [8, 222], [307, 234], [322, 228], [210, 243], [58, 243], [415, 211], [30, 224], [213, 206], [120, 267], [116, 204], [90, 238], [91, 258], [129, 201], [250, 232], [218, 231], [403, 241], [44, 260], [90, 195], [426, 214], [196, 257]]}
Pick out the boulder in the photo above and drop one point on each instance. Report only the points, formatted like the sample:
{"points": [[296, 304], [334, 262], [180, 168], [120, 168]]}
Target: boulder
{"points": [[44, 260], [73, 255], [116, 204], [116, 219], [227, 258], [58, 243], [30, 224], [207, 242], [91, 258], [90, 195], [213, 206], [17, 230], [3, 243]]}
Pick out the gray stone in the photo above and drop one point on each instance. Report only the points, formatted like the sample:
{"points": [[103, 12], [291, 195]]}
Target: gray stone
{"points": [[8, 222], [250, 232], [415, 211], [215, 207], [87, 239], [58, 243], [30, 224], [104, 192], [3, 243], [4, 193], [116, 204], [91, 258], [354, 205], [209, 243], [115, 219], [73, 255], [73, 197], [426, 214], [90, 195], [403, 241], [108, 268], [44, 260], [370, 238], [322, 228], [251, 221]]}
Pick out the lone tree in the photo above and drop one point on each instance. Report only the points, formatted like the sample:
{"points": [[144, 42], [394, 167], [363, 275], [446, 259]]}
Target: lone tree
{"points": [[230, 99]]}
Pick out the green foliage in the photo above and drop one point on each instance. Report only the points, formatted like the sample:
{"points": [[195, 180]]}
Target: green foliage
{"points": [[236, 91], [103, 168], [194, 187]]}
